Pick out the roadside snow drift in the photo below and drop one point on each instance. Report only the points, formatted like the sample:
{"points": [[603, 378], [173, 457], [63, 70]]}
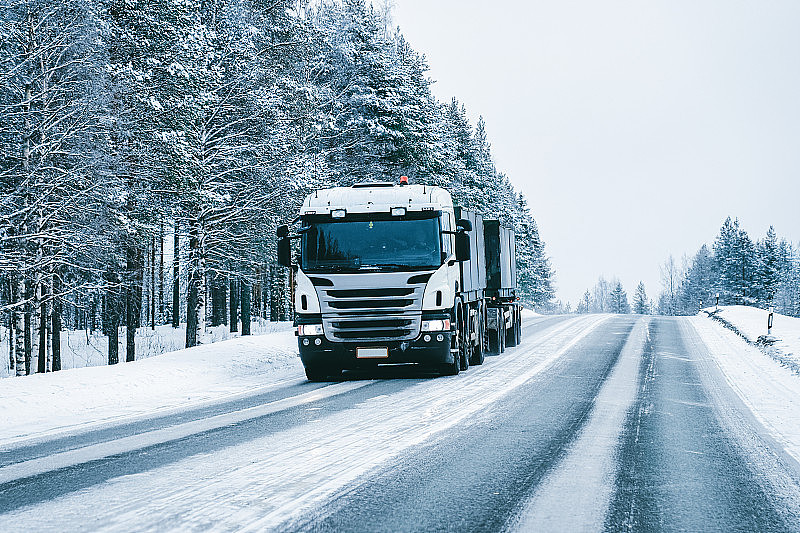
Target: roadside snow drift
{"points": [[751, 323], [768, 386], [41, 404]]}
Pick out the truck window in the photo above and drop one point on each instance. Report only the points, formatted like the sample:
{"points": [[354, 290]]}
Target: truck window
{"points": [[379, 244], [447, 239]]}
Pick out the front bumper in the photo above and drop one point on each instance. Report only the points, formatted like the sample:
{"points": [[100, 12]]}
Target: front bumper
{"points": [[318, 351]]}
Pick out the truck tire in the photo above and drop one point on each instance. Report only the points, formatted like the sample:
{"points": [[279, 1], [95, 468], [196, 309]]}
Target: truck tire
{"points": [[465, 343], [452, 369], [478, 355], [318, 373], [511, 333], [494, 342]]}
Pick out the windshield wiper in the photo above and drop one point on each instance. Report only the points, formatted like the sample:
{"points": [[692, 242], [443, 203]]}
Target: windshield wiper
{"points": [[398, 266], [334, 268]]}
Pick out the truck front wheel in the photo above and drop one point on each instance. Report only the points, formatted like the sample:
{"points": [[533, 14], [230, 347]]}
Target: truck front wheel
{"points": [[320, 373], [456, 349]]}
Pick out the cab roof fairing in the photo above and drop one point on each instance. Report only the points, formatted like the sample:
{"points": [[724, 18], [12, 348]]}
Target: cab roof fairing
{"points": [[377, 199]]}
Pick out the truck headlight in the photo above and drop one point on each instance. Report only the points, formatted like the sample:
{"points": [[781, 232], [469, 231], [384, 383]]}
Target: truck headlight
{"points": [[436, 325], [307, 330]]}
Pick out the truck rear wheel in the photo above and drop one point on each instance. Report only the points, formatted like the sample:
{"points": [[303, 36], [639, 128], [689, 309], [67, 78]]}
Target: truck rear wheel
{"points": [[456, 348], [477, 352], [494, 342], [511, 333]]}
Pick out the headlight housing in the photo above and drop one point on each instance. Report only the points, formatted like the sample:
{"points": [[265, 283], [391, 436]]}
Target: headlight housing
{"points": [[307, 330], [436, 325]]}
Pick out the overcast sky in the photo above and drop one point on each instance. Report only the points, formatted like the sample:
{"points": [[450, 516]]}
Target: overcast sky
{"points": [[633, 127]]}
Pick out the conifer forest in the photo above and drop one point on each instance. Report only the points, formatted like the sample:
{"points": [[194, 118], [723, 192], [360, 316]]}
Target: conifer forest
{"points": [[149, 149]]}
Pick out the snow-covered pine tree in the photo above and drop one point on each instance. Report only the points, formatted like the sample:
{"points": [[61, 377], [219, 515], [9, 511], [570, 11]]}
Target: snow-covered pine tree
{"points": [[769, 268], [584, 304], [640, 302], [618, 300]]}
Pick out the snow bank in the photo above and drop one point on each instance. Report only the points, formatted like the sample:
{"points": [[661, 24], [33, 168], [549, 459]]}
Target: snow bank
{"points": [[750, 323], [768, 388], [46, 403], [529, 313], [80, 349]]}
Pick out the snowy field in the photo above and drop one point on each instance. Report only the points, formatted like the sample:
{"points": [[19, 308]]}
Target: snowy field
{"points": [[43, 404], [81, 349]]}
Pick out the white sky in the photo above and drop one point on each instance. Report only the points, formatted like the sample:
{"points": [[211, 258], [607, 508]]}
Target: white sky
{"points": [[634, 127]]}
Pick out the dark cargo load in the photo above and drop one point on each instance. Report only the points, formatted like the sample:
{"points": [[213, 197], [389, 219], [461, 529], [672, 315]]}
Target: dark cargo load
{"points": [[501, 261], [473, 272]]}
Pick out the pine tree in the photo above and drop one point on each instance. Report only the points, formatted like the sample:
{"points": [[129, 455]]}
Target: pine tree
{"points": [[618, 300], [769, 267], [640, 303], [585, 304]]}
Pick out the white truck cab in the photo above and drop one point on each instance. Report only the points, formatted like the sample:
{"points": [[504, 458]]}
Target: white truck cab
{"points": [[386, 273]]}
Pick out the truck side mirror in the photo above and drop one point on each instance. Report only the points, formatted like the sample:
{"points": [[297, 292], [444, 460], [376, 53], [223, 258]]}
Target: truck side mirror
{"points": [[285, 252], [464, 224], [462, 246], [283, 231]]}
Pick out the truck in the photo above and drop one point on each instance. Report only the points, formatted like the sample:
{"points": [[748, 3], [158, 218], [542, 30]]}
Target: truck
{"points": [[389, 273]]}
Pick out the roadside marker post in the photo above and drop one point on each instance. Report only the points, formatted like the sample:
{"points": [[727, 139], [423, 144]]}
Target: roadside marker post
{"points": [[769, 319]]}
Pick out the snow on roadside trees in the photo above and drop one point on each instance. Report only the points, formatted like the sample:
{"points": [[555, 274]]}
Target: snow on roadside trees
{"points": [[48, 104], [618, 300], [640, 302]]}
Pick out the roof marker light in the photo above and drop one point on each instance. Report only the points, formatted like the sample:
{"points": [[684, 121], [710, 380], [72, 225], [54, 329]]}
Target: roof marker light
{"points": [[403, 180]]}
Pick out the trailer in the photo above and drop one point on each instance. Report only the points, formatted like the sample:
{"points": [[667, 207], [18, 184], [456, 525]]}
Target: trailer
{"points": [[390, 273], [504, 312]]}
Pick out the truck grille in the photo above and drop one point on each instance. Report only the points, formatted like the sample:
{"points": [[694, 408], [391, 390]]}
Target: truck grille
{"points": [[378, 329], [371, 307]]}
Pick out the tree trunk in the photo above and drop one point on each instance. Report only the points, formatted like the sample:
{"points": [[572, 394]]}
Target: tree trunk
{"points": [[257, 293], [234, 306], [161, 272], [42, 328], [223, 298], [153, 283], [219, 300], [195, 287], [133, 300], [111, 316], [27, 324], [18, 320], [55, 318], [139, 287], [92, 313], [176, 278], [8, 293], [245, 307]]}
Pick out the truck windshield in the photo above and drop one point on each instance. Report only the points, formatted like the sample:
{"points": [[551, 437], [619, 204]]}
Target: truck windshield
{"points": [[396, 244]]}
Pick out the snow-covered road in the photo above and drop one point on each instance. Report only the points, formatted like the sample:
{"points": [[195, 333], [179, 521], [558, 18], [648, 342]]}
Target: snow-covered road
{"points": [[626, 419]]}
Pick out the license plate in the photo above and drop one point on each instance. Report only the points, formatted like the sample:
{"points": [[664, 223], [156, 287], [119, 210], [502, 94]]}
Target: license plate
{"points": [[372, 353]]}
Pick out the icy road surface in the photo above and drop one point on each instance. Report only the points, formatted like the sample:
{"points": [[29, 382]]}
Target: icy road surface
{"points": [[593, 423]]}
